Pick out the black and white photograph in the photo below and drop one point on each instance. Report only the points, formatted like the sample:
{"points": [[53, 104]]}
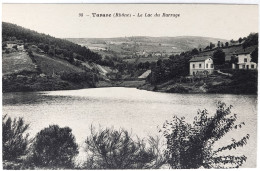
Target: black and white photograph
{"points": [[93, 86]]}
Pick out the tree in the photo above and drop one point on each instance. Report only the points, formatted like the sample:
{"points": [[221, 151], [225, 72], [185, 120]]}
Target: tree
{"points": [[140, 66], [226, 44], [15, 140], [115, 149], [211, 45], [41, 46], [218, 44], [194, 51], [219, 57], [54, 147], [251, 40], [146, 65], [254, 55], [189, 146], [234, 59], [240, 40], [4, 45], [207, 48], [46, 48]]}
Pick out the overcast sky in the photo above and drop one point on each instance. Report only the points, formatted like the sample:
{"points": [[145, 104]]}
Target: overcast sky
{"points": [[63, 21]]}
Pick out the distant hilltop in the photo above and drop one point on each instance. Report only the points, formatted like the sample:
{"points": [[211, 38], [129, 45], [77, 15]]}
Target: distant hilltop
{"points": [[176, 44]]}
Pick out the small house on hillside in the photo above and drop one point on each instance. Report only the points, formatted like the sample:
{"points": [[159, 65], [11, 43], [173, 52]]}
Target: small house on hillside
{"points": [[243, 61], [20, 47], [11, 45], [201, 65]]}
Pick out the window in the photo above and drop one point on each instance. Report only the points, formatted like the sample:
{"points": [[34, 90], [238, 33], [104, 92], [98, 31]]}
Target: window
{"points": [[245, 59], [252, 66], [199, 65], [211, 65], [207, 65], [244, 66], [193, 65]]}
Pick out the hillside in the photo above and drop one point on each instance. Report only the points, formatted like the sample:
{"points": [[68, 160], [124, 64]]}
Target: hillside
{"points": [[229, 51], [17, 62], [35, 62], [132, 47], [47, 43], [171, 44]]}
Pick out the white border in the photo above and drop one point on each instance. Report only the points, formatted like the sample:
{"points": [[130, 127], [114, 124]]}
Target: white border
{"points": [[142, 2], [136, 1]]}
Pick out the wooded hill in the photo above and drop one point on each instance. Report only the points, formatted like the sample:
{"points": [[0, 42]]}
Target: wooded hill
{"points": [[12, 32], [35, 62]]}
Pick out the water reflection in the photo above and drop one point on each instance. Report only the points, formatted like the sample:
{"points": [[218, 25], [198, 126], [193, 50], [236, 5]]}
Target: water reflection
{"points": [[137, 110]]}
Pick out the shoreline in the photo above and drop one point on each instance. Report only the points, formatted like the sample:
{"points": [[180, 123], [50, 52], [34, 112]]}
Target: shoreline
{"points": [[138, 84]]}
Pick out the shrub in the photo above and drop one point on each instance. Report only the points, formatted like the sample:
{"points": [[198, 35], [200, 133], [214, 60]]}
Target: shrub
{"points": [[112, 149], [178, 89], [54, 147], [190, 145], [77, 77], [243, 82], [15, 139]]}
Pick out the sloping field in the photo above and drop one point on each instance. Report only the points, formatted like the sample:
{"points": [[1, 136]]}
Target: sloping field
{"points": [[54, 65], [232, 50], [17, 62]]}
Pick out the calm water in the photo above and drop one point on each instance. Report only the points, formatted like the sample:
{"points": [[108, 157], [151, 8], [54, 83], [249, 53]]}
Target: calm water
{"points": [[136, 110]]}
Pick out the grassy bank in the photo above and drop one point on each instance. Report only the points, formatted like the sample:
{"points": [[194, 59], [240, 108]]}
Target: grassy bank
{"points": [[241, 82], [23, 71]]}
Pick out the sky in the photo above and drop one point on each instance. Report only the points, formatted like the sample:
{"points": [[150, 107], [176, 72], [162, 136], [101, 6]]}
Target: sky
{"points": [[63, 21]]}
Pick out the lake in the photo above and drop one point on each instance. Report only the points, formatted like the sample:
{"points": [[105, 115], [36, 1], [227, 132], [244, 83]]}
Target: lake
{"points": [[138, 111]]}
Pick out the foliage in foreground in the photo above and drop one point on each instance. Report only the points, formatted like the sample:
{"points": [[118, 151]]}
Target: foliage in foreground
{"points": [[191, 145], [243, 82], [15, 140], [54, 147], [115, 149], [188, 146]]}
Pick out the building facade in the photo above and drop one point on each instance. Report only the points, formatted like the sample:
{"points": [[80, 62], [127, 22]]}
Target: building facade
{"points": [[201, 65], [244, 62]]}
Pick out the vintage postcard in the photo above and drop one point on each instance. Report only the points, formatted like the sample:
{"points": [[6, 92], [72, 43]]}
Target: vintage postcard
{"points": [[129, 86]]}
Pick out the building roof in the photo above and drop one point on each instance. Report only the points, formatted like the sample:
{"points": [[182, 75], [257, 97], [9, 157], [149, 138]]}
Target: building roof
{"points": [[145, 74], [199, 58]]}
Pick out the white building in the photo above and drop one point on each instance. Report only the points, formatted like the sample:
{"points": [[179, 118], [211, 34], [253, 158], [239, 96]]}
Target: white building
{"points": [[244, 62], [20, 47], [201, 65], [10, 45]]}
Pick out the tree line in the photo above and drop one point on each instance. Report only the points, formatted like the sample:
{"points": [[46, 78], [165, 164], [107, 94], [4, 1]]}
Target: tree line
{"points": [[47, 43]]}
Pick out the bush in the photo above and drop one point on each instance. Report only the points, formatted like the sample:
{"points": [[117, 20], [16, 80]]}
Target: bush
{"points": [[77, 77], [189, 146], [15, 139], [243, 82], [112, 149], [54, 147], [177, 89]]}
